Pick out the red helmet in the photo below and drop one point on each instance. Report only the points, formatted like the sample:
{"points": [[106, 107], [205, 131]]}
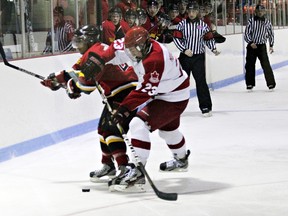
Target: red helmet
{"points": [[138, 37]]}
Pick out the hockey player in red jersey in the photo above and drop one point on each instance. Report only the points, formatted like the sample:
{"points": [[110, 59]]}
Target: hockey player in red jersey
{"points": [[117, 82], [125, 5], [151, 24], [162, 84], [114, 27]]}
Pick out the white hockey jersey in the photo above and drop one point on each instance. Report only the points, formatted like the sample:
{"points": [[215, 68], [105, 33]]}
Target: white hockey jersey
{"points": [[160, 75]]}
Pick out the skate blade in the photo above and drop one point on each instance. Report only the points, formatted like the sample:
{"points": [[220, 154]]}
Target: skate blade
{"points": [[111, 188], [103, 179], [136, 188], [175, 170]]}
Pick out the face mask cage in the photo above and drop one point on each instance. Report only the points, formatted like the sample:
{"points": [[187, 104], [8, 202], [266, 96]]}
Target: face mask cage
{"points": [[143, 48], [130, 55], [78, 42]]}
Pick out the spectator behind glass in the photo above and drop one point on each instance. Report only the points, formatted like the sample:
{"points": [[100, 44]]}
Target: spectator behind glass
{"points": [[182, 9], [63, 33], [173, 12], [130, 17], [105, 9], [114, 27], [125, 5], [69, 11], [142, 16], [151, 24]]}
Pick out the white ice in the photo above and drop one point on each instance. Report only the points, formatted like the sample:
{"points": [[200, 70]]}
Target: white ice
{"points": [[238, 165]]}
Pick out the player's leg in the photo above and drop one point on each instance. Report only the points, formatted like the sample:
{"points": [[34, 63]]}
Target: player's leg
{"points": [[176, 143], [266, 66], [251, 58]]}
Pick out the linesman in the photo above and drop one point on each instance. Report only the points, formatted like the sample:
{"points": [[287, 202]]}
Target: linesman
{"points": [[256, 33], [190, 38]]}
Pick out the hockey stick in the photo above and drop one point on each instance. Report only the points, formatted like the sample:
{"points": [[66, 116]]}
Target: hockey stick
{"points": [[160, 194], [3, 55]]}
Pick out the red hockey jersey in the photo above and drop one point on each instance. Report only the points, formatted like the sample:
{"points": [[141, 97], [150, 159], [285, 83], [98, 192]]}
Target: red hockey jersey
{"points": [[113, 78]]}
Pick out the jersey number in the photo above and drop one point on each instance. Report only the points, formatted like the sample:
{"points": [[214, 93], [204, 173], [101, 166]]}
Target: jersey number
{"points": [[149, 89], [119, 44]]}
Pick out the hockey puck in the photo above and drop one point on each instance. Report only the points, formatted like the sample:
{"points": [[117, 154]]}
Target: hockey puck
{"points": [[85, 190]]}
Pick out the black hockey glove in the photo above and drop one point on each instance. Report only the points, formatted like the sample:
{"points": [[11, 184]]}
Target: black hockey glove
{"points": [[92, 66], [121, 115]]}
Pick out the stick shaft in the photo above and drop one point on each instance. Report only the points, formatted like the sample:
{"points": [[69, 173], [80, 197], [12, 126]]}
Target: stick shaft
{"points": [[3, 55]]}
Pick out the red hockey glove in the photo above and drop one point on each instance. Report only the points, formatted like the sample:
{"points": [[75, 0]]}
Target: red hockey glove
{"points": [[92, 66], [72, 90], [121, 114], [53, 81]]}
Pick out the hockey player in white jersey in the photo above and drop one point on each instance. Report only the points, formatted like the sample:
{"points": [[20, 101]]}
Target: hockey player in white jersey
{"points": [[161, 97]]}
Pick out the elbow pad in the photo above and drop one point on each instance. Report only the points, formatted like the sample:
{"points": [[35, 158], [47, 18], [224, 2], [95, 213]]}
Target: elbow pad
{"points": [[92, 66]]}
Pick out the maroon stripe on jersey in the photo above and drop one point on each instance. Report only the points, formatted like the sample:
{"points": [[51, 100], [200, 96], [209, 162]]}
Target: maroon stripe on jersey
{"points": [[177, 146], [141, 144], [184, 85]]}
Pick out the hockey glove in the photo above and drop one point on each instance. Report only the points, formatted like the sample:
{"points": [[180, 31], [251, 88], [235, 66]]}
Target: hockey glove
{"points": [[121, 115], [72, 90], [92, 66], [54, 81]]}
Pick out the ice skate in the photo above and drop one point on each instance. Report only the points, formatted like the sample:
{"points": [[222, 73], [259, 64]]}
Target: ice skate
{"points": [[130, 180], [104, 174], [271, 88], [249, 88], [176, 165], [206, 112]]}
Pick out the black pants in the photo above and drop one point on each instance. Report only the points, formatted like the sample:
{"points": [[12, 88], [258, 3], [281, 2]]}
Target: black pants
{"points": [[251, 57], [196, 65]]}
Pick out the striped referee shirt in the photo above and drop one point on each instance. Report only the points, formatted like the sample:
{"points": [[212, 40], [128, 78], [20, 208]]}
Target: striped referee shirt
{"points": [[61, 35], [258, 30], [193, 36]]}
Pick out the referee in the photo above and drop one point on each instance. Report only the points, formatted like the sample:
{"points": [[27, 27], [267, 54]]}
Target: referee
{"points": [[190, 38], [256, 33]]}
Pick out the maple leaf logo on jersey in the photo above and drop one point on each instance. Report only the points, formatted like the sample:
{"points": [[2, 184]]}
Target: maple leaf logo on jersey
{"points": [[154, 77]]}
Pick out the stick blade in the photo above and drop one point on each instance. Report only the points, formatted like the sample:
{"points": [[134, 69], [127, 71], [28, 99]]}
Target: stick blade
{"points": [[167, 196]]}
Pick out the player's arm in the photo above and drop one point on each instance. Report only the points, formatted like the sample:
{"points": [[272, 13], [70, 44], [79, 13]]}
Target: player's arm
{"points": [[73, 81], [146, 91], [96, 61]]}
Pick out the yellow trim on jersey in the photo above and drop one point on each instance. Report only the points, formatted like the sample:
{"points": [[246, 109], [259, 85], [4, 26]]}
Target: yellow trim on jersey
{"points": [[102, 140], [121, 88], [112, 139], [86, 88], [82, 87]]}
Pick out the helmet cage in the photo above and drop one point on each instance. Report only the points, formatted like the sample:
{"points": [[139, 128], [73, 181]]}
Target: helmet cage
{"points": [[138, 38], [88, 35]]}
